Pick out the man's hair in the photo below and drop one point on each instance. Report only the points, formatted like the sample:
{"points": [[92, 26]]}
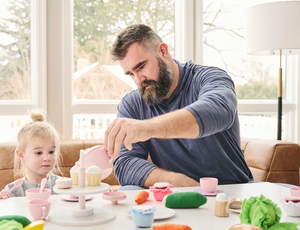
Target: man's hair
{"points": [[142, 34]]}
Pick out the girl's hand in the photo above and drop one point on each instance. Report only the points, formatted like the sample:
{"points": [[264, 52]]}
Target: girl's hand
{"points": [[3, 195]]}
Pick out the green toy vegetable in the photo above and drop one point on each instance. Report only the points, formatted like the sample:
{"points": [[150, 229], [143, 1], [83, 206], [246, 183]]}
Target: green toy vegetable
{"points": [[184, 200], [21, 219]]}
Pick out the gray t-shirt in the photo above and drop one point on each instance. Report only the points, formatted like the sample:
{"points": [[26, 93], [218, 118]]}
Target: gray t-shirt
{"points": [[20, 191]]}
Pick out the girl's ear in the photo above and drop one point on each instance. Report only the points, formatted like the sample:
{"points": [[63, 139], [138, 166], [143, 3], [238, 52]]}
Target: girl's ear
{"points": [[19, 153]]}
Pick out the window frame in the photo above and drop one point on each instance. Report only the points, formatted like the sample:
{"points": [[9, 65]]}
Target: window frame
{"points": [[38, 66]]}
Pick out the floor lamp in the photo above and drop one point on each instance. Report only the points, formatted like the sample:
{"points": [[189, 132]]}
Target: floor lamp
{"points": [[274, 29]]}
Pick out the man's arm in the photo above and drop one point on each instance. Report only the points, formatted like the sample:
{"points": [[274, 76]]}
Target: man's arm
{"points": [[175, 179], [178, 124]]}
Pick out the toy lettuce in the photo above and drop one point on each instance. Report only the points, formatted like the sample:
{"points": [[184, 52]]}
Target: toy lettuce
{"points": [[263, 213]]}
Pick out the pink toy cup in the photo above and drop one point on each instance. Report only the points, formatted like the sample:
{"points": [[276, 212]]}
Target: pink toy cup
{"points": [[208, 184], [295, 191], [34, 193], [39, 209]]}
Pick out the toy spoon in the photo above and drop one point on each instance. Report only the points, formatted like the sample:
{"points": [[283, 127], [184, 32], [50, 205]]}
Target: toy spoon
{"points": [[43, 183], [17, 184]]}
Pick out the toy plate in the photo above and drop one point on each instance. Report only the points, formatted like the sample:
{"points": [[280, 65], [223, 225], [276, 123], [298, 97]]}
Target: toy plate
{"points": [[75, 199]]}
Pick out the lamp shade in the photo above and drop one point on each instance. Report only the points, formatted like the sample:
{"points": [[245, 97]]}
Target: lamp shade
{"points": [[272, 27]]}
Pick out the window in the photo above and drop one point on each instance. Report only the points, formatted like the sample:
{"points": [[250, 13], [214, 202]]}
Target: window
{"points": [[97, 79], [22, 58], [255, 77], [63, 74]]}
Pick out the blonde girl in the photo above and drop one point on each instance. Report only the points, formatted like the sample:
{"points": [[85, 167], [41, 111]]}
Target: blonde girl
{"points": [[37, 156]]}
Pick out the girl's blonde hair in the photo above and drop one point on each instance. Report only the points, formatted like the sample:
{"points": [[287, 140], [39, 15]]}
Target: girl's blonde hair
{"points": [[36, 129]]}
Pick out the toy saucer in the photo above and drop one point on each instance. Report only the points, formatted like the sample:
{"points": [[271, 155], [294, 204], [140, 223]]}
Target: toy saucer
{"points": [[216, 192], [114, 197], [75, 198]]}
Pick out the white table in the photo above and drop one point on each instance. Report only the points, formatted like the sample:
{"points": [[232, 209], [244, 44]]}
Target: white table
{"points": [[200, 218]]}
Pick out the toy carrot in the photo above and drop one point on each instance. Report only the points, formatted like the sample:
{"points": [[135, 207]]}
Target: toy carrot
{"points": [[171, 227], [141, 197]]}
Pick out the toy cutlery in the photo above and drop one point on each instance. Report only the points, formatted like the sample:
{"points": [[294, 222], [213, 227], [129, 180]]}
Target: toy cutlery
{"points": [[43, 183], [17, 184]]}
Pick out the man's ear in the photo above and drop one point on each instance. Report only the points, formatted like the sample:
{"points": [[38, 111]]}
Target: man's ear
{"points": [[163, 50], [19, 153]]}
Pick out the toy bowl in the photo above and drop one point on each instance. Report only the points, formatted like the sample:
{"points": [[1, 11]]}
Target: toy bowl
{"points": [[34, 193], [291, 208], [295, 191], [98, 156]]}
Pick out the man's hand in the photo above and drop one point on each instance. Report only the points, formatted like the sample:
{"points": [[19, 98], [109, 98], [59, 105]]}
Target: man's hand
{"points": [[177, 124], [127, 131]]}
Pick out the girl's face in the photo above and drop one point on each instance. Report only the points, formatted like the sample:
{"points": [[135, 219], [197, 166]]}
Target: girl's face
{"points": [[39, 158]]}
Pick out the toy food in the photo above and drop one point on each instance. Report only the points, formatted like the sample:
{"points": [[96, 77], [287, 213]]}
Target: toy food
{"points": [[263, 213], [160, 190], [93, 174], [244, 227], [171, 227], [184, 200], [36, 225], [141, 197], [74, 173], [64, 183], [235, 203], [143, 215], [10, 224], [21, 219]]}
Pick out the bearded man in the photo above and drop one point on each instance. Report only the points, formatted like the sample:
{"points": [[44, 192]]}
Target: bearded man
{"points": [[183, 116]]}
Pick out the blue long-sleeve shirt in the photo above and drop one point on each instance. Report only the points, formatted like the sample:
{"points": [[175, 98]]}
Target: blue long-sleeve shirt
{"points": [[208, 93]]}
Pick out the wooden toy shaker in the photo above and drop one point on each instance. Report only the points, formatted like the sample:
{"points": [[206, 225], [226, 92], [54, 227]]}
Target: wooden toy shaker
{"points": [[221, 207]]}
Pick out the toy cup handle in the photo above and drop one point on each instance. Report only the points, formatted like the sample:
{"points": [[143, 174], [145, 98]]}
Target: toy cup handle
{"points": [[44, 213]]}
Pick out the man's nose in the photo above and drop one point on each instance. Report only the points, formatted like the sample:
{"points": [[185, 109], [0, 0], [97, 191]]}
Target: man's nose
{"points": [[139, 79]]}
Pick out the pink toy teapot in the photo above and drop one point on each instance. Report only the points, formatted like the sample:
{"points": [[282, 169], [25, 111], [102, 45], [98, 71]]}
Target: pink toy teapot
{"points": [[98, 156]]}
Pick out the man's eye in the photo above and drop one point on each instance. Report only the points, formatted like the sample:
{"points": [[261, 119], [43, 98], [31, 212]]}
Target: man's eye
{"points": [[142, 67]]}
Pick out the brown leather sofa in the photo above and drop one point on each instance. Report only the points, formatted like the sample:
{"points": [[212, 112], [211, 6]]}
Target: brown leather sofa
{"points": [[269, 160]]}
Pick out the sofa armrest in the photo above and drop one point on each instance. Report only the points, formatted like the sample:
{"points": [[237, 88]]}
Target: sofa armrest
{"points": [[272, 160]]}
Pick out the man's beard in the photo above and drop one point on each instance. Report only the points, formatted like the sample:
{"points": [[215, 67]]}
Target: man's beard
{"points": [[160, 88]]}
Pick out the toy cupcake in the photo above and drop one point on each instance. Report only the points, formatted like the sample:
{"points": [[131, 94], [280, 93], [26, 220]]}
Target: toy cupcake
{"points": [[74, 173], [93, 174]]}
